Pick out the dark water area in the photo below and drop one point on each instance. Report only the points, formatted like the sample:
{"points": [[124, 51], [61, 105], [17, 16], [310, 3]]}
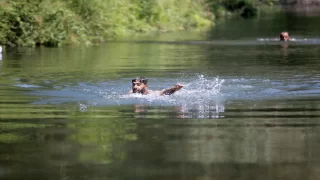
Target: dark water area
{"points": [[250, 107]]}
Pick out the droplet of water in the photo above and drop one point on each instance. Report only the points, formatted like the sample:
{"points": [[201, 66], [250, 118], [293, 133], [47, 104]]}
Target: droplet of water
{"points": [[82, 107]]}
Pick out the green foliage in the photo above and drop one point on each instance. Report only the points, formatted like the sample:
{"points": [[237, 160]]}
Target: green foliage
{"points": [[58, 22], [245, 8], [18, 23], [28, 24]]}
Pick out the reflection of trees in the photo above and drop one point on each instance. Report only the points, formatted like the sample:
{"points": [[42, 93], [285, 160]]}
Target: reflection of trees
{"points": [[104, 133], [96, 137], [233, 149], [270, 138], [146, 111], [55, 141], [72, 65]]}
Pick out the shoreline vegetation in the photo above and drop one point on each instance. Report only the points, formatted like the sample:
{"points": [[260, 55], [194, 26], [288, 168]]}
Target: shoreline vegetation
{"points": [[59, 22]]}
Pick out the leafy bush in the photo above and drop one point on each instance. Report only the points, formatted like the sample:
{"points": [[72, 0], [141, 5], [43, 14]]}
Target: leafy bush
{"points": [[58, 22], [29, 24]]}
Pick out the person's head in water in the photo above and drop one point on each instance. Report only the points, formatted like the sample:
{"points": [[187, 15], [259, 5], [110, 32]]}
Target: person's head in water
{"points": [[140, 85], [284, 36]]}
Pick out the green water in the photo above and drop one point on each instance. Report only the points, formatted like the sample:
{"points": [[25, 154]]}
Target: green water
{"points": [[249, 109]]}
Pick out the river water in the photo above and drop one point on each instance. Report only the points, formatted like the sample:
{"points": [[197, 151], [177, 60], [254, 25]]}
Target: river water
{"points": [[250, 107]]}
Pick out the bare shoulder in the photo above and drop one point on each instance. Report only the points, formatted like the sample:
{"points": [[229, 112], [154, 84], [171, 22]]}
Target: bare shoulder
{"points": [[154, 92]]}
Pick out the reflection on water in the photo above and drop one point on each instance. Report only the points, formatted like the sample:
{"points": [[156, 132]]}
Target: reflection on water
{"points": [[180, 112], [249, 108]]}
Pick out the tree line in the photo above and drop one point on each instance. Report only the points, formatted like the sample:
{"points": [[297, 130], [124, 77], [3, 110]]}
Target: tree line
{"points": [[59, 22]]}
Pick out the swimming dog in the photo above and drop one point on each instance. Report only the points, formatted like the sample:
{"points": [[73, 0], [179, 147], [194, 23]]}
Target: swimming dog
{"points": [[140, 85]]}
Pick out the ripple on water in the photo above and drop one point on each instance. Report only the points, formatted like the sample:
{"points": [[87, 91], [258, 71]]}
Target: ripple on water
{"points": [[27, 86], [198, 91], [305, 41]]}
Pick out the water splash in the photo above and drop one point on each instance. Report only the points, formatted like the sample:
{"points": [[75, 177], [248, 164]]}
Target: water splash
{"points": [[27, 86], [201, 97], [82, 107], [204, 87], [198, 91]]}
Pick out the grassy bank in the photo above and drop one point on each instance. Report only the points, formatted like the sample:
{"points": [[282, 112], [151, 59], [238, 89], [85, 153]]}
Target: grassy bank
{"points": [[58, 22]]}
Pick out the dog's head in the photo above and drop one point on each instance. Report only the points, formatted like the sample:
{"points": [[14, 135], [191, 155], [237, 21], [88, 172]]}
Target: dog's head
{"points": [[139, 85]]}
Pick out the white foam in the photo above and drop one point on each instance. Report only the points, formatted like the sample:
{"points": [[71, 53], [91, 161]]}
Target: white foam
{"points": [[27, 86], [199, 91]]}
